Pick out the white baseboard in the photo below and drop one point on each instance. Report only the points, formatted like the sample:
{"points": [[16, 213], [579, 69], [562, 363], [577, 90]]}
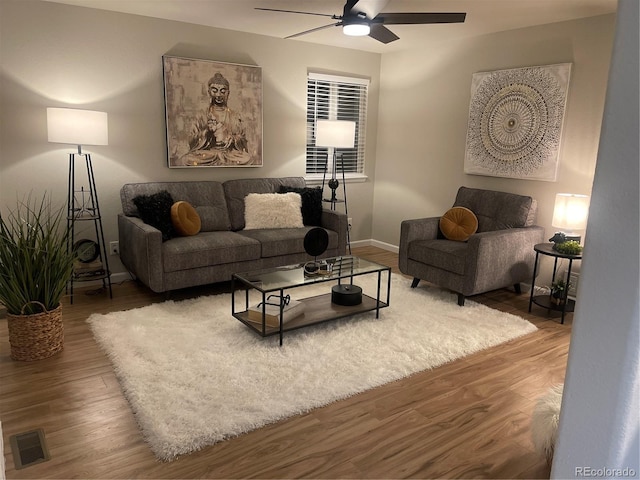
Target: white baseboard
{"points": [[115, 278], [385, 246], [120, 277], [375, 243]]}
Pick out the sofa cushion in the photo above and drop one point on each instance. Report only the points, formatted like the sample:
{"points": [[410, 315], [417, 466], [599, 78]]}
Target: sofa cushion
{"points": [[236, 190], [155, 210], [497, 210], [311, 203], [448, 255], [207, 197], [214, 218], [208, 249], [272, 210], [458, 223], [284, 241]]}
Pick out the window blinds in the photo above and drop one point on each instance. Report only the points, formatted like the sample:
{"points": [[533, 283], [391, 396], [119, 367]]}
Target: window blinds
{"points": [[331, 97]]}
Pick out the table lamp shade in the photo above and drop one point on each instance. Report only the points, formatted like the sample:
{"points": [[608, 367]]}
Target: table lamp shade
{"points": [[335, 133], [77, 127], [570, 212]]}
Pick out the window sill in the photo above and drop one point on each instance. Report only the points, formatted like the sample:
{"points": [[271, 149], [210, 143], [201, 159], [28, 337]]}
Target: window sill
{"points": [[348, 178]]}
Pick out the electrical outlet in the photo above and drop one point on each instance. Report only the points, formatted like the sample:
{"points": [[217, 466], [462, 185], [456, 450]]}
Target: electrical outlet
{"points": [[114, 248]]}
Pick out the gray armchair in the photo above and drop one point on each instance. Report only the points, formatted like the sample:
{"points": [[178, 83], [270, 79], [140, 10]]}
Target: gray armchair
{"points": [[500, 254]]}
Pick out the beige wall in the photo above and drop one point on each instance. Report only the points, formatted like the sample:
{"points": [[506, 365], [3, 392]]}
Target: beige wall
{"points": [[424, 106], [58, 55]]}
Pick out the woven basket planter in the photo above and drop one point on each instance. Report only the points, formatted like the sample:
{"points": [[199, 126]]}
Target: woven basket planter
{"points": [[36, 336]]}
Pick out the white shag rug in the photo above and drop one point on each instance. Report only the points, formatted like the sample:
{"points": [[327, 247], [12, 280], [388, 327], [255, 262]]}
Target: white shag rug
{"points": [[194, 375], [545, 420]]}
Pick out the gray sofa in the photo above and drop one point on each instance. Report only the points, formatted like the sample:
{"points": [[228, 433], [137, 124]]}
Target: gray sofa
{"points": [[500, 254], [222, 247]]}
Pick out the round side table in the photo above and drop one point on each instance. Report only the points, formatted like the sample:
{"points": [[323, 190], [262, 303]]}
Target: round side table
{"points": [[544, 301]]}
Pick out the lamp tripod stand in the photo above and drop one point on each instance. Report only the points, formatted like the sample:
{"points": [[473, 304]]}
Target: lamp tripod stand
{"points": [[334, 184], [88, 210]]}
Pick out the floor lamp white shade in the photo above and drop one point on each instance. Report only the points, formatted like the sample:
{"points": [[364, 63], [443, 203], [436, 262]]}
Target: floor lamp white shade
{"points": [[77, 127], [335, 133], [570, 212]]}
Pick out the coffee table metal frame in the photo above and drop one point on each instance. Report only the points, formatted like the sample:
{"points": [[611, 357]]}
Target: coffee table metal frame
{"points": [[318, 309]]}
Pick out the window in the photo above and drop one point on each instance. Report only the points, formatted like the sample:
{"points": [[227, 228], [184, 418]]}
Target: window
{"points": [[330, 97]]}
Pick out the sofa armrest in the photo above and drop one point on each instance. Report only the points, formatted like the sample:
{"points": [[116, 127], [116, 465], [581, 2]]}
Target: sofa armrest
{"points": [[339, 223], [141, 250], [415, 229], [512, 248]]}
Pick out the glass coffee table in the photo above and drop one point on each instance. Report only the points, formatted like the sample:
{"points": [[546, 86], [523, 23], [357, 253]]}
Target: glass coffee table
{"points": [[274, 283]]}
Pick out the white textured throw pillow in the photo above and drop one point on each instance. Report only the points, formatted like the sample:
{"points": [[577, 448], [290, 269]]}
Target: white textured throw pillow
{"points": [[272, 210]]}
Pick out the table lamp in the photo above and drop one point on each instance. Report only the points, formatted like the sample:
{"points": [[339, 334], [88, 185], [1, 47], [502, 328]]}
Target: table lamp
{"points": [[570, 213]]}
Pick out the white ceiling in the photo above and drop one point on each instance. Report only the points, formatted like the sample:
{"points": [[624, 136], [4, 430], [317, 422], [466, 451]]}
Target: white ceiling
{"points": [[483, 16]]}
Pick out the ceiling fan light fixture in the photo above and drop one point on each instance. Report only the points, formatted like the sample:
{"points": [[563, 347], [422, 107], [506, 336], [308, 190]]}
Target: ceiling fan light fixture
{"points": [[356, 29]]}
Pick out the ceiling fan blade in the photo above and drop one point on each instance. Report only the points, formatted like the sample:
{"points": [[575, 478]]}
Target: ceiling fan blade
{"points": [[294, 11], [382, 34], [419, 18], [314, 30]]}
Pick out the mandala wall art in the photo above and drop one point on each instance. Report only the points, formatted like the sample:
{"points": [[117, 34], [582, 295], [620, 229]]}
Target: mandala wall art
{"points": [[515, 122]]}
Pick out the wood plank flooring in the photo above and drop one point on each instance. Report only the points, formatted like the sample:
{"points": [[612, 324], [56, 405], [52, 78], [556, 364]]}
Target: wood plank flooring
{"points": [[466, 419]]}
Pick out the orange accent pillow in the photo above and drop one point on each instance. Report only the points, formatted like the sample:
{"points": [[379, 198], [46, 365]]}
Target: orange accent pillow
{"points": [[459, 223], [185, 219]]}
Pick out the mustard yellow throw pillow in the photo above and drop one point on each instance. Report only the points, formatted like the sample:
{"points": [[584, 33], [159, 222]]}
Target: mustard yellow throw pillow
{"points": [[185, 219], [459, 223]]}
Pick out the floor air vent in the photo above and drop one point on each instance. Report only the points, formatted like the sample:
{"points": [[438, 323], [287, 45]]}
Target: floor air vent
{"points": [[28, 448]]}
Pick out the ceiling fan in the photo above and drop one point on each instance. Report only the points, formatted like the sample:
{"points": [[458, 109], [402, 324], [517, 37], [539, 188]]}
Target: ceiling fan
{"points": [[362, 17]]}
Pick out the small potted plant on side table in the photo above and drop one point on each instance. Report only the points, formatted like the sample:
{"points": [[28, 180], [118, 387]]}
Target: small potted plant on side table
{"points": [[559, 290]]}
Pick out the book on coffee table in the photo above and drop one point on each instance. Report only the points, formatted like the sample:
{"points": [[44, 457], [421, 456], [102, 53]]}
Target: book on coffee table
{"points": [[272, 313]]}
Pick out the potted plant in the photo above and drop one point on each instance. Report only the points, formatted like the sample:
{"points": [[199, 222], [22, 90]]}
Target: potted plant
{"points": [[569, 247], [558, 291], [36, 264]]}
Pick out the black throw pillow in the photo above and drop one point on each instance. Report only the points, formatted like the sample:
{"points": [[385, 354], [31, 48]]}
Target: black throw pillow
{"points": [[311, 203], [155, 210]]}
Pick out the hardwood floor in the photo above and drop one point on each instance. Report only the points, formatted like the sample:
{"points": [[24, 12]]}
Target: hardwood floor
{"points": [[466, 419]]}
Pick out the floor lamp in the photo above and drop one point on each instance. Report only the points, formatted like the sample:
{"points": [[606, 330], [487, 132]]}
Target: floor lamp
{"points": [[336, 134], [82, 127]]}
